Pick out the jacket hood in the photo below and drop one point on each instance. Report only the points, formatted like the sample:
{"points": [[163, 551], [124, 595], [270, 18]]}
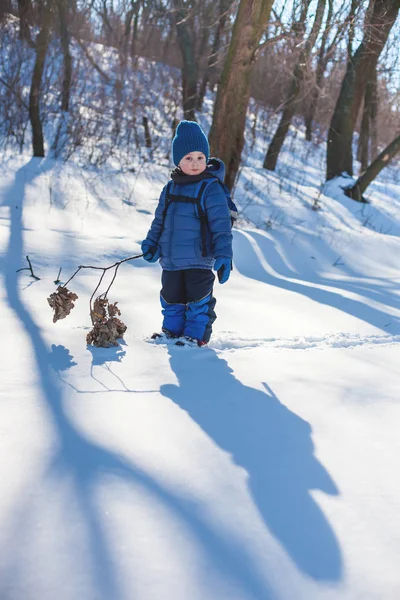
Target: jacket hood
{"points": [[215, 168]]}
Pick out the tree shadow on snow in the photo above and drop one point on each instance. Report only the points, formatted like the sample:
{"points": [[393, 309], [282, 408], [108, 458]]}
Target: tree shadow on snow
{"points": [[253, 248], [274, 446], [76, 459], [80, 464]]}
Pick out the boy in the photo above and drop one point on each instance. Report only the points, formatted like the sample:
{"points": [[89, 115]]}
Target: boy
{"points": [[191, 235]]}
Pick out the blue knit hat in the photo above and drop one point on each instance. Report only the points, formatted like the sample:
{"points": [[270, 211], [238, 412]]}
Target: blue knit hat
{"points": [[189, 137]]}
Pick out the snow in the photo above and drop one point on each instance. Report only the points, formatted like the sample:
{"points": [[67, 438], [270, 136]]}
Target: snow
{"points": [[264, 466]]}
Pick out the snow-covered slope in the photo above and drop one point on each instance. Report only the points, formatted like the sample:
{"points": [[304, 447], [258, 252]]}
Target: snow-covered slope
{"points": [[261, 467]]}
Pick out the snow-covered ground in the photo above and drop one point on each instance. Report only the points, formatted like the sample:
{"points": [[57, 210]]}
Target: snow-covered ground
{"points": [[265, 466]]}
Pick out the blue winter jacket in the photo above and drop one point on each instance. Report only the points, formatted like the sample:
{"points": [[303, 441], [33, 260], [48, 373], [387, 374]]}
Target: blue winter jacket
{"points": [[179, 239]]}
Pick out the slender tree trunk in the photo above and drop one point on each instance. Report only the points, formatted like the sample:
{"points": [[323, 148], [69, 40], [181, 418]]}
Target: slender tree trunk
{"points": [[147, 134], [25, 19], [367, 139], [190, 66], [352, 26], [226, 135], [124, 45], [203, 50], [276, 144], [62, 6], [134, 34], [373, 113], [363, 140], [42, 43], [319, 75], [224, 6], [271, 158], [325, 55], [131, 17], [5, 8], [360, 70], [357, 190]]}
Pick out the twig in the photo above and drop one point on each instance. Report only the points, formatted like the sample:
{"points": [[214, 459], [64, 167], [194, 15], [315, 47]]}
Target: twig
{"points": [[57, 281], [268, 42], [104, 269], [337, 262], [29, 269], [16, 94], [91, 60]]}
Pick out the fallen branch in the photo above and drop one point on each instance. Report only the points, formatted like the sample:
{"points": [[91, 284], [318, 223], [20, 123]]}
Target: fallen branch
{"points": [[29, 269], [104, 269], [107, 328], [57, 281], [337, 262]]}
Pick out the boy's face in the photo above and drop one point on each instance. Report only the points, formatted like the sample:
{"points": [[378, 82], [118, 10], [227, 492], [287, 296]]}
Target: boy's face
{"points": [[193, 163]]}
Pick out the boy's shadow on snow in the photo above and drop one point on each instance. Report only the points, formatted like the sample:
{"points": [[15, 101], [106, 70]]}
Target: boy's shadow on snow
{"points": [[273, 445]]}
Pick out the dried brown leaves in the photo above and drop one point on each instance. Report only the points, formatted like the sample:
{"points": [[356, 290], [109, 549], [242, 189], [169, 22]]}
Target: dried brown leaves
{"points": [[107, 328], [62, 302]]}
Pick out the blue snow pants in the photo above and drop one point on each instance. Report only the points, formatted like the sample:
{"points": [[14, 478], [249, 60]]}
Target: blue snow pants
{"points": [[187, 302]]}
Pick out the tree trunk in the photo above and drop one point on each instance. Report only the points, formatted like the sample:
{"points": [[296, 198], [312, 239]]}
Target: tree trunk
{"points": [[276, 144], [352, 26], [130, 17], [224, 6], [62, 6], [271, 158], [5, 8], [190, 66], [325, 55], [360, 70], [42, 43], [25, 19], [203, 50], [319, 75], [147, 135], [363, 140], [367, 146], [226, 135], [373, 113], [357, 190]]}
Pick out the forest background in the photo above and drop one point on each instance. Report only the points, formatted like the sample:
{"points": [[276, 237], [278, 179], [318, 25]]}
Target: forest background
{"points": [[332, 67]]}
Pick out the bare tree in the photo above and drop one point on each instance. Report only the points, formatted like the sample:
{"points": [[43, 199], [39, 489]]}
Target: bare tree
{"points": [[326, 53], [367, 143], [25, 14], [5, 8], [276, 144], [130, 26], [227, 130], [62, 7], [41, 46], [187, 44], [352, 26], [356, 191], [319, 73], [360, 69], [224, 7]]}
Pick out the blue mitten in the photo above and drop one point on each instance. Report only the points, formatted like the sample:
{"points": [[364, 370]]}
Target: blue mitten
{"points": [[151, 252], [223, 266]]}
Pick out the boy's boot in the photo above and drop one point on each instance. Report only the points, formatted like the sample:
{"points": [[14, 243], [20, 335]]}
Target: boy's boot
{"points": [[189, 341], [164, 332], [199, 319], [174, 318]]}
